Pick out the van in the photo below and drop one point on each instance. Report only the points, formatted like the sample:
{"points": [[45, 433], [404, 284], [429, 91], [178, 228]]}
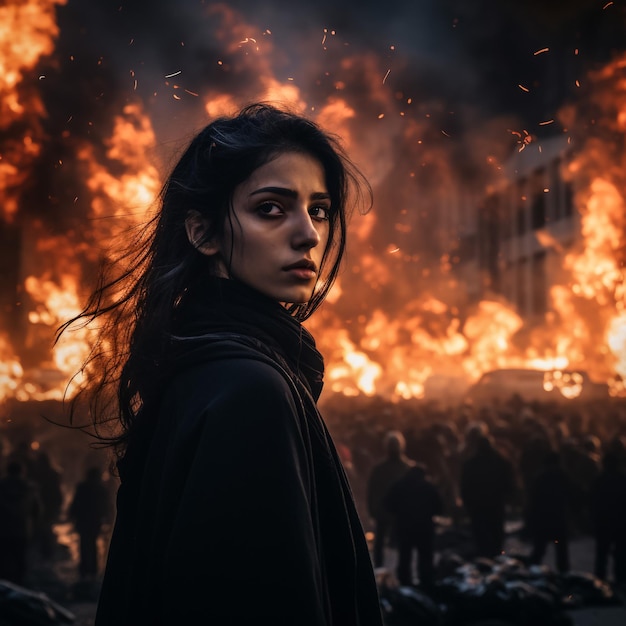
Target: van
{"points": [[534, 385]]}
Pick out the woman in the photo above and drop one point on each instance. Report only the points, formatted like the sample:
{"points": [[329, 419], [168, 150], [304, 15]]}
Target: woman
{"points": [[233, 506]]}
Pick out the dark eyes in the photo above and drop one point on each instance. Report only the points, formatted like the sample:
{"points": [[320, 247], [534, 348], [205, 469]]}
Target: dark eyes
{"points": [[319, 212], [272, 209]]}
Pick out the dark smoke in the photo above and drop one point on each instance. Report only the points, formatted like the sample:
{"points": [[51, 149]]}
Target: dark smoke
{"points": [[460, 63]]}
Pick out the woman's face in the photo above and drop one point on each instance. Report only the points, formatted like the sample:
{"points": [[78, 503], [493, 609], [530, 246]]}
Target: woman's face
{"points": [[279, 228]]}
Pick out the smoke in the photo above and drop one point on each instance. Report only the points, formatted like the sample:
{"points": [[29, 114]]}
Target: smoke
{"points": [[426, 93]]}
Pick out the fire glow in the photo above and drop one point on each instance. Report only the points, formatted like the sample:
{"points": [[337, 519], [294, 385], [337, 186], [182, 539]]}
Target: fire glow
{"points": [[404, 338]]}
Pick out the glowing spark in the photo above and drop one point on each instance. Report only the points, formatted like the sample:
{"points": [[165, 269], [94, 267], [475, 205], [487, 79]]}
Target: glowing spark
{"points": [[387, 74], [247, 40], [380, 117], [546, 122], [176, 96], [607, 5], [174, 74], [524, 88], [577, 83], [443, 132], [541, 51], [394, 250], [524, 138], [191, 93], [41, 77]]}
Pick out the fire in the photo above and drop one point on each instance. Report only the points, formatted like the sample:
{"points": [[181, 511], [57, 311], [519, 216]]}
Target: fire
{"points": [[27, 32], [11, 371], [398, 322], [127, 196], [55, 304], [352, 372]]}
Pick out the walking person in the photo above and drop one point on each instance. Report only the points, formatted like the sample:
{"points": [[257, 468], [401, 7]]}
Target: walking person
{"points": [[383, 475], [49, 481], [20, 510], [88, 511], [414, 501], [550, 505], [608, 518], [233, 506], [487, 485]]}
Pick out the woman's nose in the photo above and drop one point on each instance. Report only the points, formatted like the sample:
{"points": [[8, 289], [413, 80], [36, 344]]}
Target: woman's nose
{"points": [[305, 233]]}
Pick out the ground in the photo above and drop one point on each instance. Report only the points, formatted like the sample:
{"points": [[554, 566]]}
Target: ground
{"points": [[59, 580]]}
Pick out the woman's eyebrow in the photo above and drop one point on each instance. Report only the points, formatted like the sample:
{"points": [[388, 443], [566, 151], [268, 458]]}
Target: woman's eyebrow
{"points": [[290, 193]]}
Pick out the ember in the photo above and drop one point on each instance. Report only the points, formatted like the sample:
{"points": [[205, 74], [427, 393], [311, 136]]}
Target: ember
{"points": [[414, 303]]}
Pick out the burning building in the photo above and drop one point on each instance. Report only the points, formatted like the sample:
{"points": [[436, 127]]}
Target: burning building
{"points": [[471, 259]]}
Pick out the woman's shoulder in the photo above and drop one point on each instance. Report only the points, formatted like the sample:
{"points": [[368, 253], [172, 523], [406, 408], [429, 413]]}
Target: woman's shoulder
{"points": [[234, 377], [241, 371]]}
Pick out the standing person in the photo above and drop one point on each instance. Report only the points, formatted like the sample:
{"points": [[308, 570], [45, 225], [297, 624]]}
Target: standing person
{"points": [[383, 475], [414, 501], [88, 510], [608, 518], [550, 505], [49, 480], [487, 485], [233, 506], [20, 509]]}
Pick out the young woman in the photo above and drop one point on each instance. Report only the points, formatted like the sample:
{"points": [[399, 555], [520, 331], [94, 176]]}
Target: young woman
{"points": [[233, 506]]}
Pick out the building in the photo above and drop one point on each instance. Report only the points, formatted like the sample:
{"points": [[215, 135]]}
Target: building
{"points": [[521, 230]]}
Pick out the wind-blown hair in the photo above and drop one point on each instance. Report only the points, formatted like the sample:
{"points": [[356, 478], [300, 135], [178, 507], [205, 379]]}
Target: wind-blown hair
{"points": [[136, 304]]}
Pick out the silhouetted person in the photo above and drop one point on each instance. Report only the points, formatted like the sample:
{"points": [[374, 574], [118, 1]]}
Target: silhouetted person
{"points": [[608, 518], [22, 453], [532, 461], [487, 484], [48, 480], [89, 510], [581, 463], [413, 501], [549, 512], [19, 512], [383, 475]]}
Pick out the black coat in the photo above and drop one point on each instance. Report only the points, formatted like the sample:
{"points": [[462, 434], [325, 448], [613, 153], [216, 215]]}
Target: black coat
{"points": [[238, 511], [414, 501]]}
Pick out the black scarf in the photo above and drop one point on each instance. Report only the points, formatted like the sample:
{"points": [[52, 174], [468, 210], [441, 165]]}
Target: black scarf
{"points": [[220, 309], [223, 318]]}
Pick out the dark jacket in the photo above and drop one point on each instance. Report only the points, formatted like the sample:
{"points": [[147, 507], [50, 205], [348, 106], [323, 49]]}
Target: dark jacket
{"points": [[608, 503], [414, 501], [383, 476], [487, 483], [238, 511], [550, 502], [89, 507]]}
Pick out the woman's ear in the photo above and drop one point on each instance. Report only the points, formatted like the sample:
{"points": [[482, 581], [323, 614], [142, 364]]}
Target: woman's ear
{"points": [[196, 227]]}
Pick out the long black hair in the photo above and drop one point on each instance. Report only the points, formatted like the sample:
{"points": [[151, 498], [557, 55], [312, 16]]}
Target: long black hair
{"points": [[137, 296]]}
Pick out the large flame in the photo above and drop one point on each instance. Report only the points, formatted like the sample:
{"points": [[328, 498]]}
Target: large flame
{"points": [[27, 32], [398, 320]]}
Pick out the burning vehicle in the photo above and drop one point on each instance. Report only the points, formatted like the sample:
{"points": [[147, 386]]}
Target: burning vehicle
{"points": [[533, 385], [468, 263]]}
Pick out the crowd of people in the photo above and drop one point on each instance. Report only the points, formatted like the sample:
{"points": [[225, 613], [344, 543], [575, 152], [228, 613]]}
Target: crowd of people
{"points": [[555, 472], [416, 473], [35, 497]]}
